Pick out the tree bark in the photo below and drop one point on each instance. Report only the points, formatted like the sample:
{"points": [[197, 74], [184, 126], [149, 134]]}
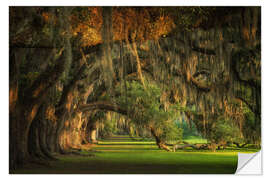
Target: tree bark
{"points": [[102, 105], [92, 131], [26, 111], [159, 142]]}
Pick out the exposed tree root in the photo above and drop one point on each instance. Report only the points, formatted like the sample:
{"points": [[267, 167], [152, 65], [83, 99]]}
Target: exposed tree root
{"points": [[39, 162], [194, 146], [240, 146], [163, 146]]}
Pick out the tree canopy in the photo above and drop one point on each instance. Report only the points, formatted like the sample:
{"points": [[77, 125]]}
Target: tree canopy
{"points": [[155, 65]]}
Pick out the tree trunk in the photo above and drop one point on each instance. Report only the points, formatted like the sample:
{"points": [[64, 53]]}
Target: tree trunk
{"points": [[43, 136], [33, 140], [213, 146], [159, 142], [93, 131], [41, 122], [19, 130], [51, 133], [84, 132]]}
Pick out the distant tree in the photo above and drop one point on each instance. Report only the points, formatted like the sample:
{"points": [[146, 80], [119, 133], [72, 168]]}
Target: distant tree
{"points": [[147, 110], [225, 131]]}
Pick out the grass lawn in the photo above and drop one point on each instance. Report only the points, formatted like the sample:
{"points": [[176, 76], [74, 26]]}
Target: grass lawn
{"points": [[121, 155]]}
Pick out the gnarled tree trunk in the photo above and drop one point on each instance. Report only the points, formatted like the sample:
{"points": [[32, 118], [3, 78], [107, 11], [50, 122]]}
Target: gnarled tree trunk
{"points": [[159, 142]]}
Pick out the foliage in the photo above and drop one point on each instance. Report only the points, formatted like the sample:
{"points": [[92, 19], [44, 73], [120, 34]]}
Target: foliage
{"points": [[171, 132], [189, 129], [147, 110], [225, 130], [108, 130], [250, 132], [110, 124], [188, 17]]}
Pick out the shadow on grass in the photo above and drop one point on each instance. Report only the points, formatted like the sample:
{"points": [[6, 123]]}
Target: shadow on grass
{"points": [[139, 163], [141, 158]]}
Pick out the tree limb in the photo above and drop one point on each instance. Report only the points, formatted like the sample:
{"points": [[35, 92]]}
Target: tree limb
{"points": [[102, 105], [47, 79]]}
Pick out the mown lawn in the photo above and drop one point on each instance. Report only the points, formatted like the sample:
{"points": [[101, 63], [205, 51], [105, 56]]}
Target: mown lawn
{"points": [[126, 156]]}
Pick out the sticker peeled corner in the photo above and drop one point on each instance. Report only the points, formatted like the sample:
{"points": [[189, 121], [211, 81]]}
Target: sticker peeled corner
{"points": [[249, 164]]}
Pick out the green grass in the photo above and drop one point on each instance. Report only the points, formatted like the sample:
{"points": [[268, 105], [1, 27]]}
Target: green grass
{"points": [[194, 139], [129, 157]]}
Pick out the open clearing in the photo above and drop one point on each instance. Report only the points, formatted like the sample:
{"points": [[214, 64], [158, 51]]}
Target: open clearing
{"points": [[121, 155]]}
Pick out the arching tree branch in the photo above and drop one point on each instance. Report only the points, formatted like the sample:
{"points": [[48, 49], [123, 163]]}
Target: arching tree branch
{"points": [[47, 79], [102, 105]]}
